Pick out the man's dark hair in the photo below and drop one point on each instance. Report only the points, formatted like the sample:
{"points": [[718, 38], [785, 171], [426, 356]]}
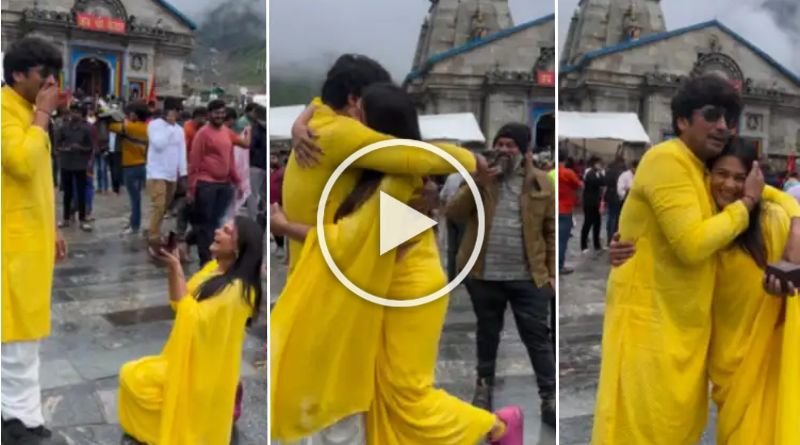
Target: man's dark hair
{"points": [[27, 53], [199, 111], [172, 105], [140, 110], [349, 75], [250, 107], [230, 113], [793, 175], [635, 164], [697, 92], [216, 104]]}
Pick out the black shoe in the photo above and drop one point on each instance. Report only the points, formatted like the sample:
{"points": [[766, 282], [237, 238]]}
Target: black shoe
{"points": [[566, 271], [484, 394], [549, 411], [128, 440], [15, 432]]}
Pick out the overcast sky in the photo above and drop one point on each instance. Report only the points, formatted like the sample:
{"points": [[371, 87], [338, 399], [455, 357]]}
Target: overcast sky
{"points": [[307, 33], [743, 16]]}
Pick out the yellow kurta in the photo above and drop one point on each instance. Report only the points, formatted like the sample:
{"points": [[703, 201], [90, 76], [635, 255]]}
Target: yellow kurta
{"points": [[351, 343], [323, 338], [28, 218], [339, 137], [186, 395], [746, 362], [653, 380]]}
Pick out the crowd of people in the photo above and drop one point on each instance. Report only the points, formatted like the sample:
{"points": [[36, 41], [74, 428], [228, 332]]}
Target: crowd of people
{"points": [[207, 168], [373, 374], [599, 189]]}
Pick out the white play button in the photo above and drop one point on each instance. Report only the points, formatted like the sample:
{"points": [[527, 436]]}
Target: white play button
{"points": [[399, 223]]}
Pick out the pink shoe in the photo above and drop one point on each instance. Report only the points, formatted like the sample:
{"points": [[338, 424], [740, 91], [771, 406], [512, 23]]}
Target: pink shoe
{"points": [[513, 418]]}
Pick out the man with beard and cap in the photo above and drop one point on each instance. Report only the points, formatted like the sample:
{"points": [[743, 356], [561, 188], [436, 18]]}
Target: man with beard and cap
{"points": [[517, 265], [31, 243]]}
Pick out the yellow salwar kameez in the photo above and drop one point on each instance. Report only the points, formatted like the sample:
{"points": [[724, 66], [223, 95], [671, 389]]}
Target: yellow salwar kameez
{"points": [[753, 359], [335, 355], [653, 386], [186, 395]]}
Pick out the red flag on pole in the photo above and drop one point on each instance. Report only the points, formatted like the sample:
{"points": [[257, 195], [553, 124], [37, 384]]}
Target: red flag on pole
{"points": [[151, 97], [792, 162]]}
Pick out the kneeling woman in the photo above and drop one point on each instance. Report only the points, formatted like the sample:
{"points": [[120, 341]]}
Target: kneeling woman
{"points": [[185, 395]]}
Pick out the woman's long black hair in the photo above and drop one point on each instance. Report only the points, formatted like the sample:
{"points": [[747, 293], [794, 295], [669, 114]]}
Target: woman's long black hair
{"points": [[751, 240], [389, 110], [246, 268]]}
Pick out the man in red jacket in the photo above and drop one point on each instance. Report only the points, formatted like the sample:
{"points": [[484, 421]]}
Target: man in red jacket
{"points": [[569, 184]]}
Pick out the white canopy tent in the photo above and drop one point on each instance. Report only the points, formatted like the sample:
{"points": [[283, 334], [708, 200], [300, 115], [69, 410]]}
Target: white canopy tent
{"points": [[460, 127], [281, 120], [601, 133]]}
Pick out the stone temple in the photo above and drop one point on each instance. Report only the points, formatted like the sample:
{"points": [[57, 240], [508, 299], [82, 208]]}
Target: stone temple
{"points": [[111, 47], [619, 57], [471, 57]]}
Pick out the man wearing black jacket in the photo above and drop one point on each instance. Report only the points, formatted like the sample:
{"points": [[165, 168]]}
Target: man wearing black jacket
{"points": [[593, 182]]}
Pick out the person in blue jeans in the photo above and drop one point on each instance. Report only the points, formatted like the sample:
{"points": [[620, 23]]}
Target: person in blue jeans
{"points": [[133, 135]]}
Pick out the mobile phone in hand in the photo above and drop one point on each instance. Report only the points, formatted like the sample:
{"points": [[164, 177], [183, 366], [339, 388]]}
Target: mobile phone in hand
{"points": [[172, 242]]}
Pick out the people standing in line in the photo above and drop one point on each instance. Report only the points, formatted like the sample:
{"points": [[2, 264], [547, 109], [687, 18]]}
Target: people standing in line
{"points": [[625, 182], [213, 180], [569, 185], [133, 136], [517, 265], [455, 231], [75, 146], [613, 203], [593, 183], [166, 164], [31, 243], [257, 202]]}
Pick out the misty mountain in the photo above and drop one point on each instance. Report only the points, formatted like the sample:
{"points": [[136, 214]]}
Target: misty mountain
{"points": [[231, 45]]}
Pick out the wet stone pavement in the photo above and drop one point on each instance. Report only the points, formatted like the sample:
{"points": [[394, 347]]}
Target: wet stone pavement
{"points": [[110, 305], [455, 370], [581, 308]]}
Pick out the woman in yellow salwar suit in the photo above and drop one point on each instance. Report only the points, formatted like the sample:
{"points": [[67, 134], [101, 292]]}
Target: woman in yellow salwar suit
{"points": [[310, 328], [754, 357], [185, 395], [754, 354]]}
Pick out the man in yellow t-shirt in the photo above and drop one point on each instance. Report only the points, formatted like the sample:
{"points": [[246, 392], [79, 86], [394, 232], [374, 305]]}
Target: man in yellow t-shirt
{"points": [[133, 132], [31, 243]]}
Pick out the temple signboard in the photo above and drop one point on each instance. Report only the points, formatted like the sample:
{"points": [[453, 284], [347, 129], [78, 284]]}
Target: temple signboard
{"points": [[97, 23]]}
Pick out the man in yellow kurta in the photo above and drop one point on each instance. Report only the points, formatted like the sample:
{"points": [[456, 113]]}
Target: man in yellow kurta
{"points": [[653, 385], [336, 121], [30, 242]]}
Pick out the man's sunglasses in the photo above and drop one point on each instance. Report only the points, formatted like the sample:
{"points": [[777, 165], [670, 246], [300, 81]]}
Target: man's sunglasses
{"points": [[713, 113]]}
